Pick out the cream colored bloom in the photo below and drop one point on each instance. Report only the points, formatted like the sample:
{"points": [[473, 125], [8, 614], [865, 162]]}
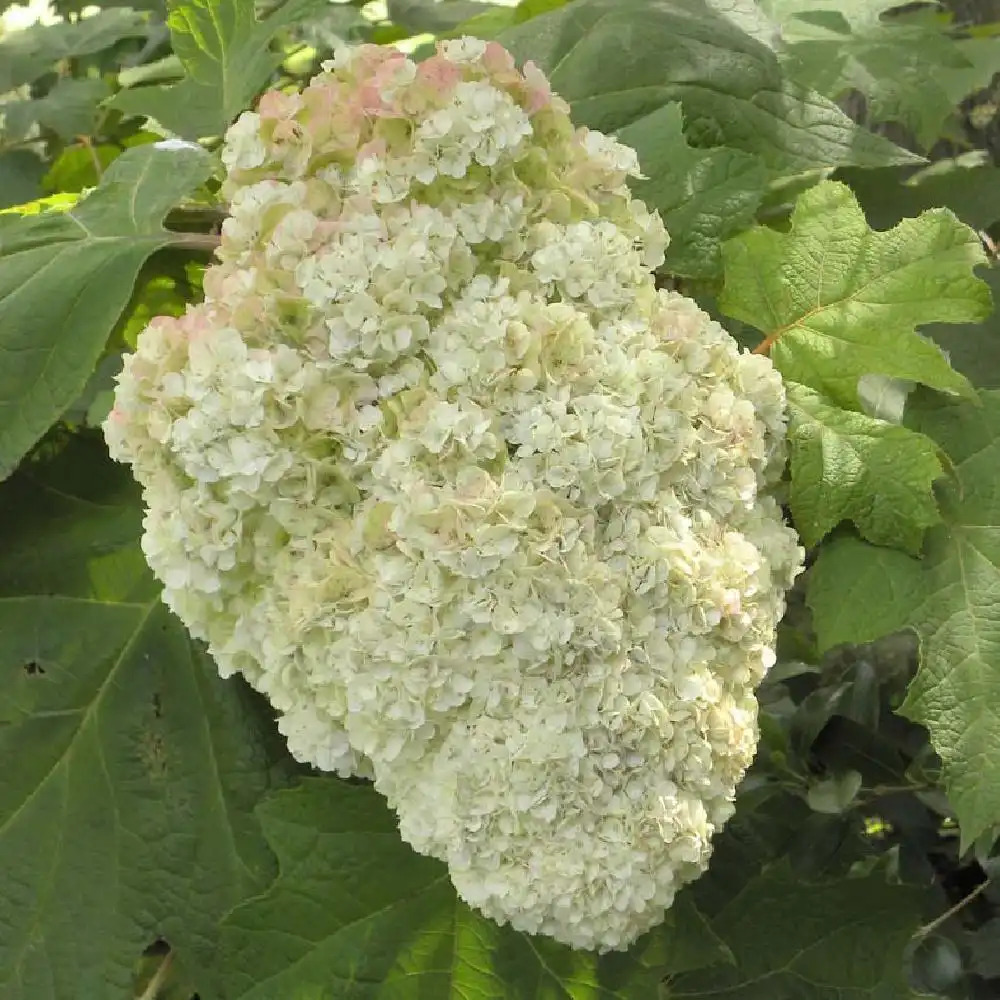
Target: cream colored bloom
{"points": [[481, 511]]}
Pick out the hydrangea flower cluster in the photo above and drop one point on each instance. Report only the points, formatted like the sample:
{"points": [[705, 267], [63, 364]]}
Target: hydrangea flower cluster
{"points": [[482, 512]]}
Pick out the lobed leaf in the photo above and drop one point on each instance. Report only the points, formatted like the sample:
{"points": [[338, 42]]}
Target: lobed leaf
{"points": [[950, 598], [837, 300], [702, 195], [882, 589], [31, 52], [495, 19], [76, 167], [749, 16], [436, 16], [970, 190], [66, 277], [129, 814], [617, 61], [355, 913], [907, 65], [848, 466], [69, 109], [975, 350], [227, 57], [21, 173], [793, 940]]}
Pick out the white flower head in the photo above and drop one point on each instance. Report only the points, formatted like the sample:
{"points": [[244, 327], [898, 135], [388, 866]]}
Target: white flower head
{"points": [[483, 513]]}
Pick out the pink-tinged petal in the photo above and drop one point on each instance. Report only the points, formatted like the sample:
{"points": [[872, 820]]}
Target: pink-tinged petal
{"points": [[538, 88], [439, 75], [371, 98], [275, 105], [371, 57], [497, 59], [172, 329], [197, 322], [345, 117]]}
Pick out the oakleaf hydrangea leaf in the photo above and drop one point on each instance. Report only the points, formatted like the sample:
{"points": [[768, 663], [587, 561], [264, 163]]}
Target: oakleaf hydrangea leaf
{"points": [[837, 300], [859, 592], [881, 589], [493, 20], [749, 16], [974, 351], [128, 815], [969, 185], [30, 52], [66, 277], [21, 173], [68, 109], [435, 16], [227, 56], [617, 61], [789, 940], [355, 913], [907, 66], [848, 466], [702, 195]]}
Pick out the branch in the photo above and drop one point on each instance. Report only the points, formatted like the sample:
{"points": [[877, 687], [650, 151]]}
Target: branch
{"points": [[196, 241], [922, 932], [765, 345]]}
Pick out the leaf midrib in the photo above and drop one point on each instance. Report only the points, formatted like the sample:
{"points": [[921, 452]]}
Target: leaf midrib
{"points": [[88, 712]]}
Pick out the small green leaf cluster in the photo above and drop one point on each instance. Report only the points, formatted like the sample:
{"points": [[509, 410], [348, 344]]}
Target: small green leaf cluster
{"points": [[826, 173]]}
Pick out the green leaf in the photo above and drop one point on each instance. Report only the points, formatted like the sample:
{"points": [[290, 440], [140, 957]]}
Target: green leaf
{"points": [[51, 203], [355, 913], [860, 592], [764, 829], [974, 350], [949, 598], [884, 397], [984, 955], [748, 16], [92, 406], [66, 277], [228, 58], [837, 300], [75, 168], [66, 7], [908, 66], [29, 53], [967, 185], [848, 466], [845, 744], [21, 173], [434, 16], [169, 69], [157, 295], [834, 795], [936, 966], [703, 195], [496, 19], [129, 815], [329, 27], [619, 60], [69, 109], [839, 940]]}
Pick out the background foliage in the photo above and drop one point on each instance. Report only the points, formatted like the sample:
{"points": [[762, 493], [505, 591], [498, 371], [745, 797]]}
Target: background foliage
{"points": [[828, 171]]}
